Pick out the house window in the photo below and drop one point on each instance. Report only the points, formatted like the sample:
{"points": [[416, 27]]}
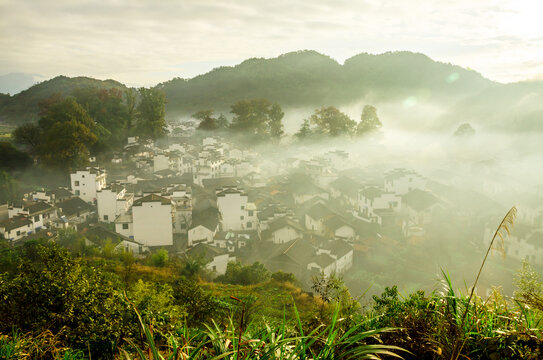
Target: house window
{"points": [[106, 217], [242, 207], [37, 218], [183, 226], [249, 224], [83, 176], [77, 192], [251, 212], [18, 232], [125, 226], [241, 217], [76, 183]]}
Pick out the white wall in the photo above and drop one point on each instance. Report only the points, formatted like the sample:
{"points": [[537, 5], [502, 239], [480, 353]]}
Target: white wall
{"points": [[129, 232], [152, 223], [233, 211], [200, 234], [283, 235], [85, 184], [219, 263]]}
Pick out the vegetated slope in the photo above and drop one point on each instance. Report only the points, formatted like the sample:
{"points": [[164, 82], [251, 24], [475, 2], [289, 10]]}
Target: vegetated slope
{"points": [[24, 106], [307, 78], [516, 106]]}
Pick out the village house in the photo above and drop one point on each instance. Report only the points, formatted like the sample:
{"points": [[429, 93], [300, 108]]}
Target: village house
{"points": [[205, 224], [113, 201], [76, 210], [316, 216], [524, 243], [374, 204], [346, 190], [16, 228], [402, 181], [282, 230], [152, 220], [337, 227], [236, 212], [215, 259], [39, 212], [51, 196], [232, 241], [421, 208], [85, 183]]}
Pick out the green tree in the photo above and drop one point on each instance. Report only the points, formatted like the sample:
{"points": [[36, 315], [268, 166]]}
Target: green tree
{"points": [[207, 121], [239, 274], [151, 113], [464, 130], [305, 131], [222, 122], [160, 258], [332, 122], [259, 118], [9, 188], [66, 144], [29, 135], [369, 121], [11, 158], [50, 290]]}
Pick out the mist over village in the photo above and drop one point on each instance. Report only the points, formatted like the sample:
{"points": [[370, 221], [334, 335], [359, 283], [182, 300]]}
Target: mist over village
{"points": [[220, 190]]}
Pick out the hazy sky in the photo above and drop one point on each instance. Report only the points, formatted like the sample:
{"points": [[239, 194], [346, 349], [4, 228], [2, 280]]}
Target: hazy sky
{"points": [[144, 42]]}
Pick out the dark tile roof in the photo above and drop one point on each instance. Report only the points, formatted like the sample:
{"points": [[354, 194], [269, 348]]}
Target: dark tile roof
{"points": [[323, 260], [205, 251], [152, 198], [15, 223], [419, 200], [284, 222], [335, 222], [208, 218], [319, 211], [74, 206], [299, 251], [35, 207], [338, 248], [346, 186]]}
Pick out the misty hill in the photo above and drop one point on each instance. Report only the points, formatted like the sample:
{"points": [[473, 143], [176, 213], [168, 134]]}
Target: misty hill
{"points": [[24, 106], [307, 78]]}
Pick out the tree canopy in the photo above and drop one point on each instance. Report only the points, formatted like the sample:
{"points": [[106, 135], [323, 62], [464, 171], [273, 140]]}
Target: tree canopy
{"points": [[259, 118], [330, 121], [369, 121]]}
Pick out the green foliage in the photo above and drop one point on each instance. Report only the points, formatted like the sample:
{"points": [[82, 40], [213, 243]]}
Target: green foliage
{"points": [[258, 118], [159, 258], [369, 121], [9, 188], [305, 131], [49, 290], [330, 121], [200, 305], [151, 123], [529, 287], [207, 121], [281, 276], [29, 135], [332, 289], [464, 130], [239, 274]]}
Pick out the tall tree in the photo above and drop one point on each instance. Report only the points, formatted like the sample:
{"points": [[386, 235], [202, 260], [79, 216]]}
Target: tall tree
{"points": [[369, 121], [258, 117], [305, 130], [151, 113], [207, 121], [330, 121], [29, 135]]}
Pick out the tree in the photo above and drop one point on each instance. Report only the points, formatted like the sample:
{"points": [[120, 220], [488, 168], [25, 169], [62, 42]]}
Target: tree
{"points": [[238, 274], [65, 145], [369, 121], [11, 158], [464, 130], [30, 136], [160, 258], [207, 121], [222, 122], [305, 131], [259, 118], [151, 113], [9, 188], [332, 122]]}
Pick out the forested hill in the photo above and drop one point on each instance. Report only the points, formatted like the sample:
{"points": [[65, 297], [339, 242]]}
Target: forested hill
{"points": [[24, 106], [307, 78]]}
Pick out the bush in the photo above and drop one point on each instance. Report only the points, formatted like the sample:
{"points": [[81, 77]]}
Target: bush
{"points": [[238, 274], [282, 277]]}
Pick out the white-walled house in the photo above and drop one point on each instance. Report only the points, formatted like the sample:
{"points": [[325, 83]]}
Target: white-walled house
{"points": [[205, 224], [39, 212], [129, 245], [282, 230], [315, 217], [524, 242], [85, 183], [337, 227], [124, 225], [232, 205], [341, 252], [372, 198], [113, 201], [152, 220], [402, 181], [76, 210], [216, 259], [16, 228]]}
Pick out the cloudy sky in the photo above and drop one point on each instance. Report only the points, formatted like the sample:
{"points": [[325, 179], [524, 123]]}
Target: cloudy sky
{"points": [[143, 42]]}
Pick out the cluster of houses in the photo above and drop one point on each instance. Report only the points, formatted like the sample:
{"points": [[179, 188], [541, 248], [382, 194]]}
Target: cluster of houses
{"points": [[221, 203]]}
